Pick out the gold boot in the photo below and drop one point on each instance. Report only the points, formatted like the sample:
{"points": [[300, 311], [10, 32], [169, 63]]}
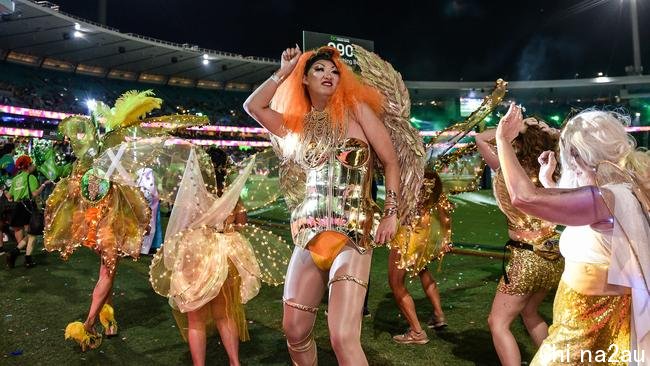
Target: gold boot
{"points": [[107, 318], [79, 334]]}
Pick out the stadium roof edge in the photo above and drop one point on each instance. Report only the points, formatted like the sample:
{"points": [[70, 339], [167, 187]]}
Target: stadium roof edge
{"points": [[38, 31]]}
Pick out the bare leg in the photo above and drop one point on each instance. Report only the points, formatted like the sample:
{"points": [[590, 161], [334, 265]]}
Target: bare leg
{"points": [[349, 280], [31, 239], [303, 291], [535, 324], [505, 308], [196, 335], [396, 278], [226, 326], [20, 235], [101, 294], [430, 288]]}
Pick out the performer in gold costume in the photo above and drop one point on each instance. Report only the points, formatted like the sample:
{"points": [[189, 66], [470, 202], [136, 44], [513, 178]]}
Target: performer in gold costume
{"points": [[530, 273], [428, 236], [327, 128], [208, 266], [601, 313]]}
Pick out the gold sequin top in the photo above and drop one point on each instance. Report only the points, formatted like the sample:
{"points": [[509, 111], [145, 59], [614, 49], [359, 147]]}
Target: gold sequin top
{"points": [[338, 197], [517, 220]]}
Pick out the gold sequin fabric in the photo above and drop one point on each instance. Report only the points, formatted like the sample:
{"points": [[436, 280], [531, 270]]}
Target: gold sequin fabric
{"points": [[517, 220], [529, 273], [586, 330]]}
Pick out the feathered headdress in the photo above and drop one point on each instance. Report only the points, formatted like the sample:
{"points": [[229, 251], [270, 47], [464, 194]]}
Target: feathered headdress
{"points": [[129, 108]]}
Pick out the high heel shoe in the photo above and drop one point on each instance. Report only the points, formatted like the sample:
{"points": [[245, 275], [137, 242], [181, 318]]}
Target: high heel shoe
{"points": [[107, 318], [79, 334]]}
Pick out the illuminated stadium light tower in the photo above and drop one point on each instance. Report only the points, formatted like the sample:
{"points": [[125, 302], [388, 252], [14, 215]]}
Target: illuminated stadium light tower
{"points": [[635, 69]]}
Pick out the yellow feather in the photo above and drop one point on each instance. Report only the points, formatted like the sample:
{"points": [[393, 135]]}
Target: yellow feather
{"points": [[129, 108], [76, 331], [106, 315]]}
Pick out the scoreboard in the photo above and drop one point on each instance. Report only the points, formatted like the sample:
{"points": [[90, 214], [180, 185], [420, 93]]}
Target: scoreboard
{"points": [[313, 40]]}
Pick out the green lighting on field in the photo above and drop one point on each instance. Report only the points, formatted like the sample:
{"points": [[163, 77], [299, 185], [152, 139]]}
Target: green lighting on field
{"points": [[415, 122], [555, 118]]}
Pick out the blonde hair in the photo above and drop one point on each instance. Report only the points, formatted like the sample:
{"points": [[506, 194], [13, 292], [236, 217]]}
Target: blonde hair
{"points": [[597, 136]]}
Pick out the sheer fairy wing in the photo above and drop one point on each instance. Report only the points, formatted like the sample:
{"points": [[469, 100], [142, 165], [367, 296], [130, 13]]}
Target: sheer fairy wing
{"points": [[195, 206], [272, 253], [161, 126], [263, 186], [82, 134], [397, 109], [165, 156], [461, 169]]}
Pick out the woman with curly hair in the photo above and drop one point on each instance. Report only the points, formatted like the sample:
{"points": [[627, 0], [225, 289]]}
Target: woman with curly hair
{"points": [[601, 312], [530, 273]]}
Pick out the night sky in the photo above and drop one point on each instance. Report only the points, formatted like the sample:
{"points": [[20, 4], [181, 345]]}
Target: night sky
{"points": [[425, 40]]}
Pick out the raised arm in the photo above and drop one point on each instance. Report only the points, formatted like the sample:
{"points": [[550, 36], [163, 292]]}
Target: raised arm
{"points": [[574, 207], [257, 104], [381, 143], [487, 150]]}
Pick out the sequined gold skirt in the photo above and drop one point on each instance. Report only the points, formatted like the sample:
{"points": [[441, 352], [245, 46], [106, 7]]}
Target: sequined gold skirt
{"points": [[586, 330], [529, 273]]}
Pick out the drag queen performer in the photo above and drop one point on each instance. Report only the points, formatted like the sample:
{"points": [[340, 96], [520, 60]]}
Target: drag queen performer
{"points": [[601, 313], [325, 120], [530, 274]]}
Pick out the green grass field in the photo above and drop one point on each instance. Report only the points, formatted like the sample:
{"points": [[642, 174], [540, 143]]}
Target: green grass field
{"points": [[36, 304]]}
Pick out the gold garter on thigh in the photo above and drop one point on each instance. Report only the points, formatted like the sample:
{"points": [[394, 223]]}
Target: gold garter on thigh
{"points": [[586, 330], [529, 273]]}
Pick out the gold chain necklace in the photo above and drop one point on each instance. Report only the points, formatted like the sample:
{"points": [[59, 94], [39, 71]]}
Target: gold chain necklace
{"points": [[319, 139]]}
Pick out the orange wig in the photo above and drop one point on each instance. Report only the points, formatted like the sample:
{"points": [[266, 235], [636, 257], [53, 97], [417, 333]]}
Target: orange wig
{"points": [[292, 100]]}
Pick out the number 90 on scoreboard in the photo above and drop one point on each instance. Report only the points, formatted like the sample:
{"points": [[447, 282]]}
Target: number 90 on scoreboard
{"points": [[313, 40]]}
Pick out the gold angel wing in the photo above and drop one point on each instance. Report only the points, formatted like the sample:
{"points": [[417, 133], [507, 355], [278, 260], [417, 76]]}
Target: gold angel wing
{"points": [[292, 178], [397, 112]]}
